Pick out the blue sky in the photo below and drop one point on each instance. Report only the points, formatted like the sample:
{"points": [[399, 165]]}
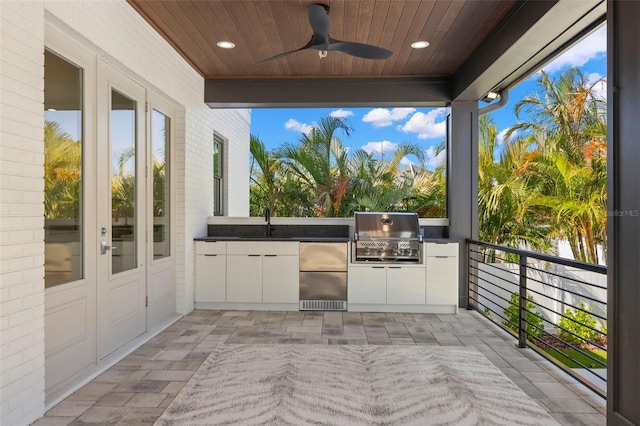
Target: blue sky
{"points": [[381, 129]]}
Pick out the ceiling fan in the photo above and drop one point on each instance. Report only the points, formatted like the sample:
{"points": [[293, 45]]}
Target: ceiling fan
{"points": [[321, 41]]}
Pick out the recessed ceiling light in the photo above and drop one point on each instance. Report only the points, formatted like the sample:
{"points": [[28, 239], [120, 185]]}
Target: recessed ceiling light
{"points": [[420, 44], [51, 109], [226, 44]]}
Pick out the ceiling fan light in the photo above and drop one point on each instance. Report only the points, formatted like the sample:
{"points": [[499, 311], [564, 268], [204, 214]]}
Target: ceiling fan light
{"points": [[225, 44], [322, 53], [421, 44]]}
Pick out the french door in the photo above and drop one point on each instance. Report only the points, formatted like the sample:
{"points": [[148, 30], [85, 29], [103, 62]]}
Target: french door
{"points": [[121, 216], [109, 246]]}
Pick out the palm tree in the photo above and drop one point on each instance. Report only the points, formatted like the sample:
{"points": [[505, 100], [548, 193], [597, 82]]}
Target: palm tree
{"points": [[505, 192], [320, 162], [567, 123], [62, 173]]}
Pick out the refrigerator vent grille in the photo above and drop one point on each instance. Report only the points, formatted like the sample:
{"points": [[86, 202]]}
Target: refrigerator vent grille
{"points": [[323, 305]]}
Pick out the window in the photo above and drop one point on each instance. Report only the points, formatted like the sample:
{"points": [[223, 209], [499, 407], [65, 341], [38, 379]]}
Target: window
{"points": [[217, 176], [63, 186], [160, 144]]}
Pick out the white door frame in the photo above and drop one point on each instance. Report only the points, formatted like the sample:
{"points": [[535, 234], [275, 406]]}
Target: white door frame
{"points": [[122, 295]]}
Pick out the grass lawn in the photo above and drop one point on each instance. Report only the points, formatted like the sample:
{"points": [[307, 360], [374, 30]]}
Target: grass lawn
{"points": [[597, 354]]}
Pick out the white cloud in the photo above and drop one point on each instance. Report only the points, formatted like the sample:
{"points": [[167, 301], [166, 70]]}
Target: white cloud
{"points": [[589, 48], [425, 125], [598, 86], [341, 113], [500, 136], [295, 125], [406, 162], [383, 117], [379, 148], [434, 160]]}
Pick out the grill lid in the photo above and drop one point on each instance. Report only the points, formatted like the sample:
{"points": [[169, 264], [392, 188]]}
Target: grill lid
{"points": [[374, 225]]}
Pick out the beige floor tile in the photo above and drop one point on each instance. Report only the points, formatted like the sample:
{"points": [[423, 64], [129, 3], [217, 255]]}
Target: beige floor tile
{"points": [[69, 408], [146, 400], [115, 399], [103, 415]]}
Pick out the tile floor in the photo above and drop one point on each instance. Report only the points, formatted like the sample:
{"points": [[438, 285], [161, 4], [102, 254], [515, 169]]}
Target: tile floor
{"points": [[137, 390]]}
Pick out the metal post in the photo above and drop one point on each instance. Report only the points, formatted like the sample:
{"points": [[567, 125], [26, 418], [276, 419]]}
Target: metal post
{"points": [[471, 281], [522, 320]]}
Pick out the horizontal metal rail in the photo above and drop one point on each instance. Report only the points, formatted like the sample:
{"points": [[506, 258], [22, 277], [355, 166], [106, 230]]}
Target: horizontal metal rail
{"points": [[530, 321]]}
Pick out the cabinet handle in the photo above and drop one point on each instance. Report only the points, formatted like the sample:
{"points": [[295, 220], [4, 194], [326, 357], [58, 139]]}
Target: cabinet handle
{"points": [[210, 254], [378, 267], [394, 267], [254, 255], [442, 257], [270, 255]]}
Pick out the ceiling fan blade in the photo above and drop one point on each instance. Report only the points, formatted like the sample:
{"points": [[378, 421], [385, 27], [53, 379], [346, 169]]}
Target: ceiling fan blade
{"points": [[360, 50], [280, 55], [319, 18]]}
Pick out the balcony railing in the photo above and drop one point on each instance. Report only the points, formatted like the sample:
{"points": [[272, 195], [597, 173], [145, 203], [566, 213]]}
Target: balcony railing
{"points": [[556, 306]]}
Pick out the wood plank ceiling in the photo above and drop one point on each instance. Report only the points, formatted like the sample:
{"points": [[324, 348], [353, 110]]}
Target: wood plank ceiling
{"points": [[263, 28]]}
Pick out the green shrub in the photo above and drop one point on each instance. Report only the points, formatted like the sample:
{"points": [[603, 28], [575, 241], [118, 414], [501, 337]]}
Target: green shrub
{"points": [[575, 321], [534, 319]]}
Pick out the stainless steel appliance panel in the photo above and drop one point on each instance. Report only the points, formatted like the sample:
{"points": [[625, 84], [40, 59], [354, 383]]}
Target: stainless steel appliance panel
{"points": [[323, 256], [323, 286]]}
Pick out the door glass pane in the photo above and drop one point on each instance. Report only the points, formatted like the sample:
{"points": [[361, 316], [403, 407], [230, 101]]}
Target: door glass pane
{"points": [[160, 137], [123, 182], [63, 138]]}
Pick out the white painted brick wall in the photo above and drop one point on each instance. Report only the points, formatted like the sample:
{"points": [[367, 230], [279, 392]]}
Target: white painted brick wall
{"points": [[124, 39], [234, 127], [21, 211], [115, 32]]}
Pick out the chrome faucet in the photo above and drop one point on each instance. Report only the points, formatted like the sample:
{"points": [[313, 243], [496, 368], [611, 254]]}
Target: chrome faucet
{"points": [[267, 218]]}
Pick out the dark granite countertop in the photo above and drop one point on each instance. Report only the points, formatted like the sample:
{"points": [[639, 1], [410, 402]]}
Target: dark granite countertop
{"points": [[300, 239]]}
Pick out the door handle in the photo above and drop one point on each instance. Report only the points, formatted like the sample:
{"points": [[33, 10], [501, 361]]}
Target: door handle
{"points": [[104, 247]]}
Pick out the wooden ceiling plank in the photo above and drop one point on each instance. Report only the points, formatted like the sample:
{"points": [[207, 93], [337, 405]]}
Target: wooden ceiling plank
{"points": [[235, 22], [159, 15], [350, 18], [375, 32], [336, 16], [290, 35], [146, 13], [363, 29], [219, 30], [265, 32], [434, 22], [418, 57], [415, 29], [446, 13], [213, 56], [471, 18], [400, 37], [388, 33]]}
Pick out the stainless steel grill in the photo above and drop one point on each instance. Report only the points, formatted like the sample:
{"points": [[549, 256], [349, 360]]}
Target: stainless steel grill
{"points": [[387, 237]]}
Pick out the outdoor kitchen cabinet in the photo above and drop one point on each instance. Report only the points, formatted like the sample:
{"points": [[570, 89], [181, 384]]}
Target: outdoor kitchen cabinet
{"points": [[367, 284], [405, 285], [386, 284], [262, 272], [442, 273], [211, 267]]}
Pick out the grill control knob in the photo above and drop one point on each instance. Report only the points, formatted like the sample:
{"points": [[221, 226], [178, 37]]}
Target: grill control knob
{"points": [[367, 252], [380, 250]]}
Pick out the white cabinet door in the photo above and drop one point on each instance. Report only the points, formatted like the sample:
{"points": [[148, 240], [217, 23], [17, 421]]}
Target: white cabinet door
{"points": [[367, 284], [405, 286], [280, 282], [211, 278], [244, 278], [442, 280]]}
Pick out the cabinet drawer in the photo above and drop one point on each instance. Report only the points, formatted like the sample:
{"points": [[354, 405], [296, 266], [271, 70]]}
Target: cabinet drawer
{"points": [[213, 247], [263, 247], [447, 249]]}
